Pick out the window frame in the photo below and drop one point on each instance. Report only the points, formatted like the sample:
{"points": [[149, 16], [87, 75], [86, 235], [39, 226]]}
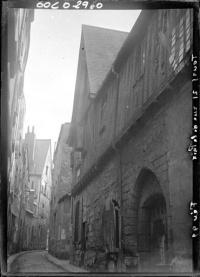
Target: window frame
{"points": [[76, 222]]}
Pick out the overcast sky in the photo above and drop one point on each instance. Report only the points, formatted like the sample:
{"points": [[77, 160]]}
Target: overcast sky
{"points": [[52, 63]]}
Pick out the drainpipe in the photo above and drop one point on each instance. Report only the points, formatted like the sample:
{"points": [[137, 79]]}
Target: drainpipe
{"points": [[118, 165]]}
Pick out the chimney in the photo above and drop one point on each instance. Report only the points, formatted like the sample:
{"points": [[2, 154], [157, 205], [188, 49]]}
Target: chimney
{"points": [[30, 141]]}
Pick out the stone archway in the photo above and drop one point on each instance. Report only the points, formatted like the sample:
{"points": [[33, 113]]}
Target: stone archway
{"points": [[151, 222]]}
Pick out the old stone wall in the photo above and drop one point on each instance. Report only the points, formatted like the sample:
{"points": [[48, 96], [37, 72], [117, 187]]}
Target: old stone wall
{"points": [[60, 205], [60, 243], [162, 148], [179, 130], [94, 202], [157, 144]]}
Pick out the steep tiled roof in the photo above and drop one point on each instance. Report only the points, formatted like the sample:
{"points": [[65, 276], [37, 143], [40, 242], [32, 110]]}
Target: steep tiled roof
{"points": [[64, 131], [101, 47], [41, 150], [98, 50]]}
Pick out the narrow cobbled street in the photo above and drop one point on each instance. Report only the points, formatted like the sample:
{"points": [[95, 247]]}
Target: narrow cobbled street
{"points": [[100, 138], [34, 261]]}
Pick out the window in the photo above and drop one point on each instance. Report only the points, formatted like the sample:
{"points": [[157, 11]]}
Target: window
{"points": [[54, 225], [165, 22], [45, 189], [79, 135], [116, 213], [76, 229], [93, 131], [181, 38], [39, 231], [26, 234], [42, 211], [187, 45], [78, 172], [72, 159], [156, 53], [173, 43], [77, 159], [47, 170], [32, 185], [111, 224], [59, 232], [83, 237]]}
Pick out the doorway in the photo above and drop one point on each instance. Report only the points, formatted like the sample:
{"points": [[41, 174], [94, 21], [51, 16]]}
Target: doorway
{"points": [[151, 224]]}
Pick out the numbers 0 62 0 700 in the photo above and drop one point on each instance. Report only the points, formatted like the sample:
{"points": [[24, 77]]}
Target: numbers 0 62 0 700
{"points": [[67, 5]]}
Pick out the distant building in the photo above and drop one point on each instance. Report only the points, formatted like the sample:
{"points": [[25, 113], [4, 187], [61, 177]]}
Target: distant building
{"points": [[18, 41], [132, 175], [23, 198], [38, 192], [60, 217]]}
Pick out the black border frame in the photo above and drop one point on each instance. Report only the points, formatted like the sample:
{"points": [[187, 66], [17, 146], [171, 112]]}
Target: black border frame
{"points": [[114, 5]]}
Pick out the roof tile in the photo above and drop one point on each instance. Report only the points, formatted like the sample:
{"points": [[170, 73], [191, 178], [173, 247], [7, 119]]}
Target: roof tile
{"points": [[101, 47]]}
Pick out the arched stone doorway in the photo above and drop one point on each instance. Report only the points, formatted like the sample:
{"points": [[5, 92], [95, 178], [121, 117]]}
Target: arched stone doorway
{"points": [[151, 222]]}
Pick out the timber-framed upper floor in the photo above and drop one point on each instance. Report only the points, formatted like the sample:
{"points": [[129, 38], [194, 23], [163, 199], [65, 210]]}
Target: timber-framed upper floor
{"points": [[156, 50]]}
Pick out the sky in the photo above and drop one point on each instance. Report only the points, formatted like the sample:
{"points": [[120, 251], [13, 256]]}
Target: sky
{"points": [[51, 69]]}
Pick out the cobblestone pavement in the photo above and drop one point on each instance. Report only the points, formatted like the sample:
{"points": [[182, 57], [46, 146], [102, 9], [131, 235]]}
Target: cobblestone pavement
{"points": [[64, 264], [34, 261]]}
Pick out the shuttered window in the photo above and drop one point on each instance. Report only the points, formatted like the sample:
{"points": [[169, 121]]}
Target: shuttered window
{"points": [[188, 31], [111, 226], [180, 37]]}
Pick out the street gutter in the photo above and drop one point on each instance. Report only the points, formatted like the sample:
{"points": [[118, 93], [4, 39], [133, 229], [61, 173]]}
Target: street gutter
{"points": [[59, 266]]}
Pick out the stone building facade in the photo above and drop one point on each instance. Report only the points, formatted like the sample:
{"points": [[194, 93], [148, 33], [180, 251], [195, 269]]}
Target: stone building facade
{"points": [[38, 192], [18, 23], [132, 187], [60, 206], [24, 204]]}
